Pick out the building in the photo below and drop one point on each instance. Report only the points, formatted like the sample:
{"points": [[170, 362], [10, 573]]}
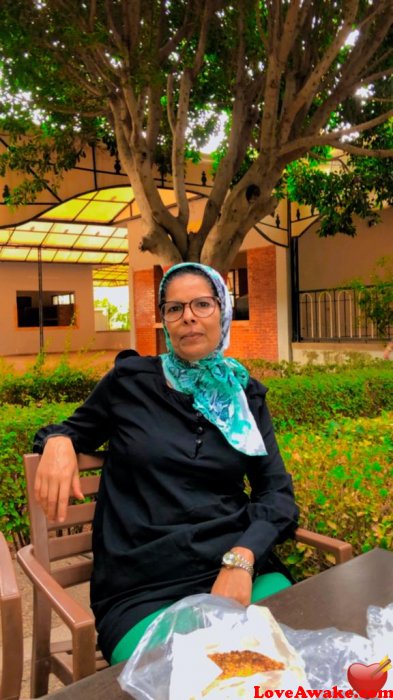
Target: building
{"points": [[87, 233]]}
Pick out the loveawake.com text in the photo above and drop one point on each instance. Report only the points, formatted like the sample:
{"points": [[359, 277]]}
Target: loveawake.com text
{"points": [[333, 693]]}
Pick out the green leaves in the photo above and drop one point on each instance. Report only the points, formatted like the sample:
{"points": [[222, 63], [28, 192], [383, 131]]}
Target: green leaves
{"points": [[342, 485]]}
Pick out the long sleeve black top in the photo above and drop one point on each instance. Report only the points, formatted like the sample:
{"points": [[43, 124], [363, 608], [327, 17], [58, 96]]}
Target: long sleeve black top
{"points": [[171, 498]]}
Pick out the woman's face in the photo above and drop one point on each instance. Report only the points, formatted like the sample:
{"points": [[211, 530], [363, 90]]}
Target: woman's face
{"points": [[192, 337]]}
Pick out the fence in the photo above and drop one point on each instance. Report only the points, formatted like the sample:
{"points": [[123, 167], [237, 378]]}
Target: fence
{"points": [[334, 314]]}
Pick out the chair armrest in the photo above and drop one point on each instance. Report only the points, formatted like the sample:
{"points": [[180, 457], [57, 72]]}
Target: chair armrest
{"points": [[11, 626], [342, 551], [69, 610]]}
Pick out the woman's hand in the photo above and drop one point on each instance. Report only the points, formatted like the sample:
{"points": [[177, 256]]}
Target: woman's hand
{"points": [[57, 477], [235, 583]]}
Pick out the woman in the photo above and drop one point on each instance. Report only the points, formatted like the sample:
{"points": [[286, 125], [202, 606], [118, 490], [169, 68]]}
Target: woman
{"points": [[172, 517]]}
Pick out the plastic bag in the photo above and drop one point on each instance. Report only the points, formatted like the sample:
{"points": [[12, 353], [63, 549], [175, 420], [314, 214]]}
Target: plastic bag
{"points": [[173, 660], [168, 657], [328, 653]]}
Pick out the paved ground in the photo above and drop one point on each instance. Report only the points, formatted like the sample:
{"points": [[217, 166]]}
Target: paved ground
{"points": [[60, 632]]}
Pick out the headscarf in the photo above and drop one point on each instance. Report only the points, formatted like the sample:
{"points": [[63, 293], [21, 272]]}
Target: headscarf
{"points": [[216, 382]]}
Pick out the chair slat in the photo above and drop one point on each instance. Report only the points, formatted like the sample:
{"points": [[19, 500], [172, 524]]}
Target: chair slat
{"points": [[90, 484], [73, 574], [77, 515], [69, 545]]}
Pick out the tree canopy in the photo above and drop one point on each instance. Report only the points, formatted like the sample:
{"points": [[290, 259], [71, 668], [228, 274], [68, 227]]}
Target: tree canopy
{"points": [[293, 79]]}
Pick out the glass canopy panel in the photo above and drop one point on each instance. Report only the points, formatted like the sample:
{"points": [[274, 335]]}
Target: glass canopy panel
{"points": [[35, 226], [96, 230], [87, 195], [115, 194], [27, 237], [89, 242], [70, 256], [100, 211], [113, 258], [46, 255], [67, 211], [88, 257], [5, 235], [67, 228], [120, 232], [17, 254], [115, 244], [111, 276], [60, 240]]}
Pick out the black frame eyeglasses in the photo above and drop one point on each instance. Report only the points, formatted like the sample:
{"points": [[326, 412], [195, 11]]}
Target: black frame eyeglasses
{"points": [[201, 307]]}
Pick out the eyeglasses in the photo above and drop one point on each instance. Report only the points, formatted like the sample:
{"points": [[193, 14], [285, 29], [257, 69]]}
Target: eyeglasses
{"points": [[202, 307]]}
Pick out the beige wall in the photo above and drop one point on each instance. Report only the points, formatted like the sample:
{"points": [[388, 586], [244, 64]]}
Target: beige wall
{"points": [[72, 278], [326, 262]]}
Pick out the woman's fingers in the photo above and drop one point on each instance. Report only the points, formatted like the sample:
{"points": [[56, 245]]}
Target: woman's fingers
{"points": [[57, 474]]}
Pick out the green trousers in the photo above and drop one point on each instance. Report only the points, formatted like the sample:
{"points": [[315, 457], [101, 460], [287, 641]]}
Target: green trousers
{"points": [[263, 586]]}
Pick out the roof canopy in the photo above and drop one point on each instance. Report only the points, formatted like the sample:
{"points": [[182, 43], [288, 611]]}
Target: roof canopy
{"points": [[90, 228]]}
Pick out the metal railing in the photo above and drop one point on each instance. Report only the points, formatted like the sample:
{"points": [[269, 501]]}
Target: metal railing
{"points": [[334, 315]]}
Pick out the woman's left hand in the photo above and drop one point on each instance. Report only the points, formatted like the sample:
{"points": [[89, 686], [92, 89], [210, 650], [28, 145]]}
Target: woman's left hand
{"points": [[234, 583]]}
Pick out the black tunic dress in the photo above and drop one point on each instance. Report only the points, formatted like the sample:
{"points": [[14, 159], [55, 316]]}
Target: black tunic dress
{"points": [[172, 498]]}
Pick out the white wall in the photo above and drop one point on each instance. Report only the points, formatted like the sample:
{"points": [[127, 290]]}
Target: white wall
{"points": [[56, 277]]}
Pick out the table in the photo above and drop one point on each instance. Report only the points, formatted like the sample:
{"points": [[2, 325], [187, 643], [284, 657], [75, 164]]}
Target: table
{"points": [[338, 597]]}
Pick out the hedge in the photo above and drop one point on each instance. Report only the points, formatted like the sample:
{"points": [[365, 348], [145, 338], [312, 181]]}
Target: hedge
{"points": [[340, 462], [313, 400], [341, 471]]}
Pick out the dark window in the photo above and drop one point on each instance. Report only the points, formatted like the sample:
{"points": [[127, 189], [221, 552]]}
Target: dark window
{"points": [[58, 309], [238, 289]]}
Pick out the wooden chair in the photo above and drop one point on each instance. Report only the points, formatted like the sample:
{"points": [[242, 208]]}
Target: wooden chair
{"points": [[11, 627], [59, 557], [46, 561]]}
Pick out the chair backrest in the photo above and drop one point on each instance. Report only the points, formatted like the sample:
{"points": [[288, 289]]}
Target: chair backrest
{"points": [[70, 540], [11, 627]]}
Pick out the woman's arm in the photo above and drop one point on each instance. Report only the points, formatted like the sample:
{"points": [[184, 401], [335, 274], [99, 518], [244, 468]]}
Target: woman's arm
{"points": [[272, 512], [57, 474]]}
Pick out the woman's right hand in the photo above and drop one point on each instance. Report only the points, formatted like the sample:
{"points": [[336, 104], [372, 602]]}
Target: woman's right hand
{"points": [[57, 477]]}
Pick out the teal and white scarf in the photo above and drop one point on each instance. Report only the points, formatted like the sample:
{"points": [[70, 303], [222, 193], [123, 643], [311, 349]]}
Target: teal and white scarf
{"points": [[216, 382]]}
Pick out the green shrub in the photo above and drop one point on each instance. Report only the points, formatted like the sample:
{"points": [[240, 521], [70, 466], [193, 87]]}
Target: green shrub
{"points": [[64, 383], [342, 473], [312, 400], [18, 426]]}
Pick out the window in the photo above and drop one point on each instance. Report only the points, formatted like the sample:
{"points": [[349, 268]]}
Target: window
{"points": [[237, 283], [59, 299], [58, 308]]}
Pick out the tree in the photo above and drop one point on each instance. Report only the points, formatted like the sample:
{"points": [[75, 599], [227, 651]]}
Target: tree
{"points": [[150, 78], [116, 319]]}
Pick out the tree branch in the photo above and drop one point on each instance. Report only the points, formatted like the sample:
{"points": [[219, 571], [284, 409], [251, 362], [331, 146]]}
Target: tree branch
{"points": [[308, 142], [182, 32], [312, 83], [359, 151], [92, 14]]}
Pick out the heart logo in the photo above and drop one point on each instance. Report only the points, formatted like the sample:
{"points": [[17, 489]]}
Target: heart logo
{"points": [[367, 680]]}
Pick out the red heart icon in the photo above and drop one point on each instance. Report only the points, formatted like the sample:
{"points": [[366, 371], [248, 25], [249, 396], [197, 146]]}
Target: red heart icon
{"points": [[366, 680]]}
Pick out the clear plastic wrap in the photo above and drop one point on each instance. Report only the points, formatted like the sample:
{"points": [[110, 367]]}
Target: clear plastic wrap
{"points": [[172, 660]]}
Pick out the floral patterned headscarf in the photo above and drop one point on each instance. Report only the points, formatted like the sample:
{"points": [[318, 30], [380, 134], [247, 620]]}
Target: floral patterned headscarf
{"points": [[216, 382]]}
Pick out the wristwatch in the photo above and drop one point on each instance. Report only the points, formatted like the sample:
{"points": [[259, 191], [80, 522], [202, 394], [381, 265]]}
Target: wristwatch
{"points": [[233, 560]]}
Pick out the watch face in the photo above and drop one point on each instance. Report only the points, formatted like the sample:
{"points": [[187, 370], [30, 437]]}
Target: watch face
{"points": [[229, 558]]}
